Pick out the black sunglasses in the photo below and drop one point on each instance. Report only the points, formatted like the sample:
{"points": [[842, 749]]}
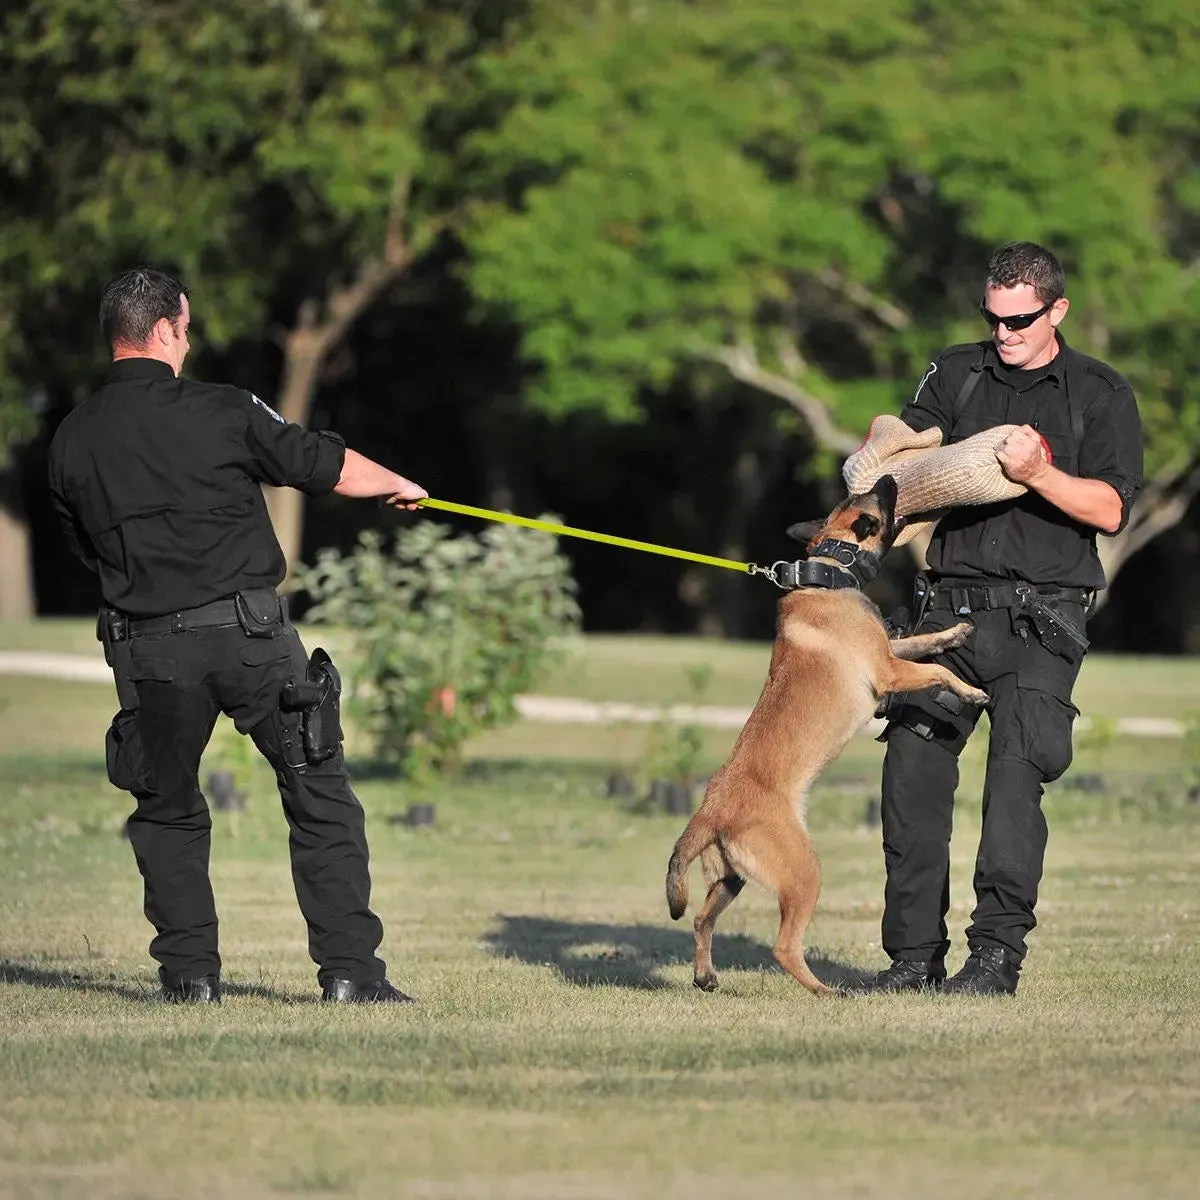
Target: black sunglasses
{"points": [[1017, 320]]}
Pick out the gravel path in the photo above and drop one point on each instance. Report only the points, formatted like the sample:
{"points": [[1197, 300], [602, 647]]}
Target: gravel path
{"points": [[560, 710]]}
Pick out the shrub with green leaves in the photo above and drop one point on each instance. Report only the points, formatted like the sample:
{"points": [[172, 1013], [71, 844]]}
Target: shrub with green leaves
{"points": [[448, 630]]}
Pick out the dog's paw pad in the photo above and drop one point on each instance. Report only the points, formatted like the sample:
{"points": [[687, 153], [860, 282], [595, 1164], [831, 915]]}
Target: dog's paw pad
{"points": [[706, 983]]}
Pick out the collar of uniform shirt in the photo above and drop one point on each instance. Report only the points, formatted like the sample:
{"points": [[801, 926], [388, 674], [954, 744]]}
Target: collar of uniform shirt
{"points": [[139, 368], [1021, 380]]}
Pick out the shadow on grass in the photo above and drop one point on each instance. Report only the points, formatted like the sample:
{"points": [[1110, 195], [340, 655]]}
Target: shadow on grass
{"points": [[592, 954], [143, 992]]}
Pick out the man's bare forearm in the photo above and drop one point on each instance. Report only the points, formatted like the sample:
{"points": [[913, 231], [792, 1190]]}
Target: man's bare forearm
{"points": [[362, 478], [1089, 501]]}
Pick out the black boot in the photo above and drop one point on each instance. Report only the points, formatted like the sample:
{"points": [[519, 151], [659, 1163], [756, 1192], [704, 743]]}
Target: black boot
{"points": [[340, 990], [906, 976], [988, 971], [198, 989]]}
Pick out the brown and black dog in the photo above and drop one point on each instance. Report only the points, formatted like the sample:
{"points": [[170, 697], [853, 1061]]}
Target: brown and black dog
{"points": [[831, 664]]}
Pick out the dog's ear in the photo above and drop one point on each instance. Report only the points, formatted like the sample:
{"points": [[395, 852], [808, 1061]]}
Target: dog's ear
{"points": [[805, 531]]}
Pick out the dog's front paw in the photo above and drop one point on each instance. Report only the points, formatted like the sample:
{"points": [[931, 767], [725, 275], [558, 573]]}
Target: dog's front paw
{"points": [[957, 635], [976, 696], [706, 983]]}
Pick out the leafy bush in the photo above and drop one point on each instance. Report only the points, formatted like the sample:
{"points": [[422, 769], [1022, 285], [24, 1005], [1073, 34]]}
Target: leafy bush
{"points": [[675, 747], [447, 631]]}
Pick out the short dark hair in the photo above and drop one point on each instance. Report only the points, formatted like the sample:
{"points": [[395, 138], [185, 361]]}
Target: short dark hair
{"points": [[135, 301], [1027, 262]]}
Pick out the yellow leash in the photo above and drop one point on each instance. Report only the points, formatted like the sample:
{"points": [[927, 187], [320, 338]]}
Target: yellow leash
{"points": [[489, 514]]}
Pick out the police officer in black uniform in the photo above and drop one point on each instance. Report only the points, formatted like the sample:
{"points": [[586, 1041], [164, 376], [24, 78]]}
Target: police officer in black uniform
{"points": [[1024, 572], [157, 481]]}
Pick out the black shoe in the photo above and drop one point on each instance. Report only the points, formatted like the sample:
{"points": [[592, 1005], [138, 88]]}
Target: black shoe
{"points": [[378, 991], [906, 976], [199, 989], [988, 971]]}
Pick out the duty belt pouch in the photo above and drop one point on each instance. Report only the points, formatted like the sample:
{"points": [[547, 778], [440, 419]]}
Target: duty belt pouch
{"points": [[112, 631], [259, 611], [111, 628], [317, 697], [1055, 632]]}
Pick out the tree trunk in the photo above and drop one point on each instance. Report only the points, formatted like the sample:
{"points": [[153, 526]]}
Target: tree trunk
{"points": [[319, 329], [17, 601], [1163, 503], [303, 357]]}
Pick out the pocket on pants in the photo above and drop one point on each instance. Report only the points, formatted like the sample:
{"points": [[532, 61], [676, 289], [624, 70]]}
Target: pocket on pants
{"points": [[124, 756], [1044, 729]]}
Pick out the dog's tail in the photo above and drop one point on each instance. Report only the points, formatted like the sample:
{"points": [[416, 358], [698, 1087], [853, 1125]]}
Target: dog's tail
{"points": [[698, 836]]}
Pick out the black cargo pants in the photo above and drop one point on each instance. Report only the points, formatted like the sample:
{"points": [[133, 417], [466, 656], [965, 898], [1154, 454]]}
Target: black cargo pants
{"points": [[171, 688], [1031, 716]]}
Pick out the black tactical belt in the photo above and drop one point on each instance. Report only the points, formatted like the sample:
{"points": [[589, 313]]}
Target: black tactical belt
{"points": [[218, 612], [981, 597]]}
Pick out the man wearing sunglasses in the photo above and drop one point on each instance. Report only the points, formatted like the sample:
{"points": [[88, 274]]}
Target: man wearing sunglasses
{"points": [[1024, 573]]}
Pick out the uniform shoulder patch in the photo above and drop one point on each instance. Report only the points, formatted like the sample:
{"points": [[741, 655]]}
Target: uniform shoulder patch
{"points": [[266, 408]]}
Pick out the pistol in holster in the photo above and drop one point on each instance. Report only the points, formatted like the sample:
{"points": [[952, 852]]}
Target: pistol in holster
{"points": [[317, 698], [1054, 631]]}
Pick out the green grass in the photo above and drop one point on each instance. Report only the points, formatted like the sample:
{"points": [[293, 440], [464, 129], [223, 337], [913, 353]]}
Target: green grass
{"points": [[559, 1049]]}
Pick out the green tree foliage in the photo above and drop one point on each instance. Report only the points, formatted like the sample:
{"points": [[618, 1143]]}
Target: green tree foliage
{"points": [[657, 192], [289, 159], [807, 194]]}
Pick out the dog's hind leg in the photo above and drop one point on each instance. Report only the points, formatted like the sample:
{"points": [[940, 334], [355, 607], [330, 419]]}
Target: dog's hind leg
{"points": [[785, 861], [721, 894]]}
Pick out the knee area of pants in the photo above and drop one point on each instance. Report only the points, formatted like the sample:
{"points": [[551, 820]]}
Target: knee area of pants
{"points": [[1027, 773], [913, 843]]}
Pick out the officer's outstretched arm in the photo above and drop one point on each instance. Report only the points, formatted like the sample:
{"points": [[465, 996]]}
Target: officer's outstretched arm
{"points": [[361, 478]]}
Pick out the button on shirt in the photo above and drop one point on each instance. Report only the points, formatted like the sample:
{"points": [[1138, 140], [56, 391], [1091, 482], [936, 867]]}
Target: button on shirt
{"points": [[157, 480], [1027, 537]]}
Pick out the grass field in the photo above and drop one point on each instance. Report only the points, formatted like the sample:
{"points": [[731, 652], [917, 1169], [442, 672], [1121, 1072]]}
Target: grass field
{"points": [[559, 1049]]}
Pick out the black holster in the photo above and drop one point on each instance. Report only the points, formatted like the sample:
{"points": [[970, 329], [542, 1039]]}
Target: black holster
{"points": [[1054, 631], [317, 698]]}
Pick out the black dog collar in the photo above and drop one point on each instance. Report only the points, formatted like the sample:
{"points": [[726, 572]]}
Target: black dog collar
{"points": [[860, 563], [853, 568]]}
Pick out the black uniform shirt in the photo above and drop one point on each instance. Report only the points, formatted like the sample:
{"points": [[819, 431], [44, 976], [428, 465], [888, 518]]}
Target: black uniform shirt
{"points": [[1028, 538], [157, 483]]}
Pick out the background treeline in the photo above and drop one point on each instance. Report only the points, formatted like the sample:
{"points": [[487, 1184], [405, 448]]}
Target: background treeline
{"points": [[651, 266]]}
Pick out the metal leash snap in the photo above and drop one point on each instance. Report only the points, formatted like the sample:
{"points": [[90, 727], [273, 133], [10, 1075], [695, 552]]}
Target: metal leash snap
{"points": [[777, 573]]}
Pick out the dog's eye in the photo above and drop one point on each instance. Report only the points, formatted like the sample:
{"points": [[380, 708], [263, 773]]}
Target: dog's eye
{"points": [[865, 526]]}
